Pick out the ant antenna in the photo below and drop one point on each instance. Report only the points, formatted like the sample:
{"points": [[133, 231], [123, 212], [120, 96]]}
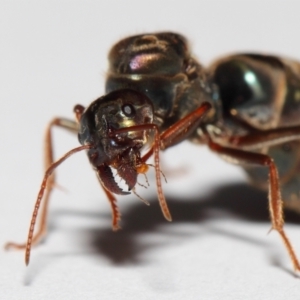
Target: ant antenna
{"points": [[48, 173]]}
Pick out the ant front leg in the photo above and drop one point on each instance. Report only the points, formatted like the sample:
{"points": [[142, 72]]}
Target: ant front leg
{"points": [[174, 134], [48, 162], [181, 129]]}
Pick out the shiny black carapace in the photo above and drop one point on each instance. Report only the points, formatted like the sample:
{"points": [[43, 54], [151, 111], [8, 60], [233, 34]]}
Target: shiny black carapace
{"points": [[244, 107]]}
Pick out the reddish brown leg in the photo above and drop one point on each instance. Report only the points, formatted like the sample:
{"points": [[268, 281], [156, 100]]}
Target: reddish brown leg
{"points": [[275, 202], [174, 134], [116, 215], [155, 152], [179, 130], [42, 229], [182, 129], [258, 139]]}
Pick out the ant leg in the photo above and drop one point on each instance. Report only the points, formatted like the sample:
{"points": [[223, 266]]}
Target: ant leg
{"points": [[155, 151], [116, 215], [275, 202], [258, 139], [181, 129], [174, 134], [48, 161]]}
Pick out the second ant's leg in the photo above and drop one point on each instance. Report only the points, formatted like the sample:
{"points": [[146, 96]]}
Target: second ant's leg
{"points": [[275, 202], [42, 229]]}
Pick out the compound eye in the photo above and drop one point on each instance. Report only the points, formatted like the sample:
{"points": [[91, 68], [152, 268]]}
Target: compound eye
{"points": [[128, 110]]}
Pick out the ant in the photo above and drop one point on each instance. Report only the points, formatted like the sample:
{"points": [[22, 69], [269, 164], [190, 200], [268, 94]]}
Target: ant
{"points": [[244, 107]]}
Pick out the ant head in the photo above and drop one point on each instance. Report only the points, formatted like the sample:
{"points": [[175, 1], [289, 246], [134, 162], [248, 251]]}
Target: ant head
{"points": [[100, 126]]}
